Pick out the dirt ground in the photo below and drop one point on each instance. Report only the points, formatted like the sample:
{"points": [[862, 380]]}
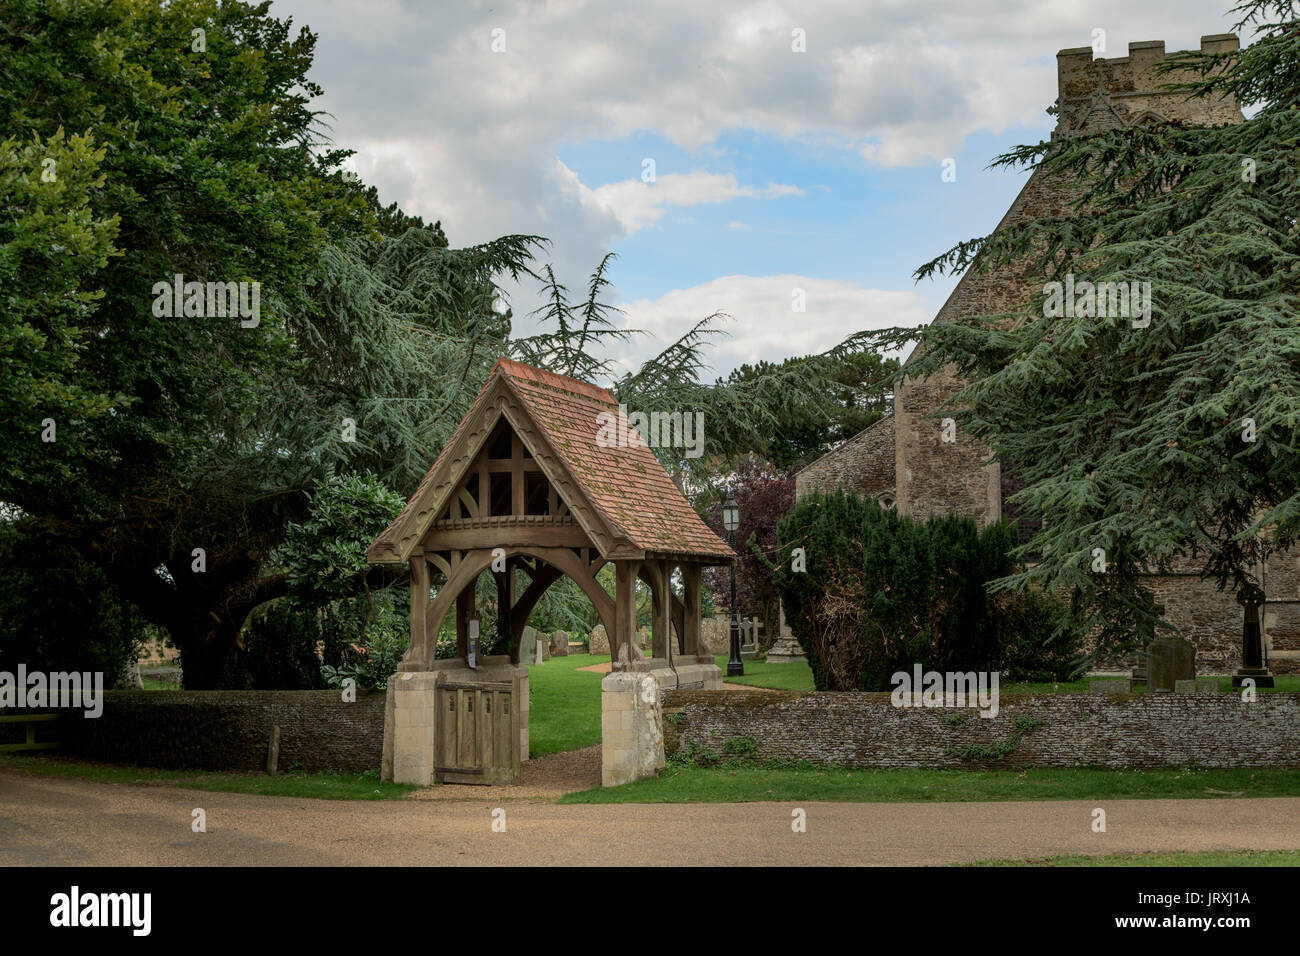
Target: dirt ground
{"points": [[51, 820], [545, 777]]}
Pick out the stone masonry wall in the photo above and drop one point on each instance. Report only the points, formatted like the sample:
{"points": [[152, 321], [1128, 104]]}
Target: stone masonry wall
{"points": [[863, 465], [1072, 730], [230, 730]]}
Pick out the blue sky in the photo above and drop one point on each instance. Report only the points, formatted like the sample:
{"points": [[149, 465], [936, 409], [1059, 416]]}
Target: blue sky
{"points": [[872, 226], [777, 170]]}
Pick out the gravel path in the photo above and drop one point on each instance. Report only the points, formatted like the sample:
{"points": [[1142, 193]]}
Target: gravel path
{"points": [[545, 777], [49, 820]]}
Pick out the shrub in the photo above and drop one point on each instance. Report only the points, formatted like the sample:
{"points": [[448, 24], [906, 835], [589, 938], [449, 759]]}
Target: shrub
{"points": [[1039, 638], [358, 639], [740, 747], [882, 592], [58, 612]]}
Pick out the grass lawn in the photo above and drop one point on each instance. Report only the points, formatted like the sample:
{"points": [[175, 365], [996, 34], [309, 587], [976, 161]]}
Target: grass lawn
{"points": [[153, 683], [564, 704], [328, 785], [1208, 858], [749, 783], [793, 676]]}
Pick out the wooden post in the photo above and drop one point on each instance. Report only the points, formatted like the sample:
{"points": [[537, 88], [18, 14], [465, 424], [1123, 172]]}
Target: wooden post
{"points": [[505, 605], [273, 750], [691, 619], [419, 611], [624, 635], [663, 624], [516, 474]]}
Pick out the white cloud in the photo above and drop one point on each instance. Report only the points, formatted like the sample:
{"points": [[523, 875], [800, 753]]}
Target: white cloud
{"points": [[637, 204], [455, 132], [763, 324]]}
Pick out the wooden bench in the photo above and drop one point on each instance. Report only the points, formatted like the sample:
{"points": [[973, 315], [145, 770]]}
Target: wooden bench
{"points": [[31, 720]]}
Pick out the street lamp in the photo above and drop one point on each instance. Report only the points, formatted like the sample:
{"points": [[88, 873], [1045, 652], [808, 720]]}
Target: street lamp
{"points": [[731, 521]]}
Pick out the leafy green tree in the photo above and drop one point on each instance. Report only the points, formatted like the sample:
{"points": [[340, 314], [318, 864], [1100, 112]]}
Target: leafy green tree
{"points": [[192, 444], [52, 244], [1147, 446], [739, 413], [860, 395]]}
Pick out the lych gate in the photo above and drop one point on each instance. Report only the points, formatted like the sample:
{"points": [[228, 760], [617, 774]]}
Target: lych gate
{"points": [[530, 483]]}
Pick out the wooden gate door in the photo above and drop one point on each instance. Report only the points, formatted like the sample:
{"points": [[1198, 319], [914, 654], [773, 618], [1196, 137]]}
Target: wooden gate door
{"points": [[477, 732]]}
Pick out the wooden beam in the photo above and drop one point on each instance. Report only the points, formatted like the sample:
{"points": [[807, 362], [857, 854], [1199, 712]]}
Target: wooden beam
{"points": [[508, 536]]}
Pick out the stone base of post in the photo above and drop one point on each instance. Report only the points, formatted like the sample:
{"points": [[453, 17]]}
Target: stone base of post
{"points": [[632, 728], [409, 734]]}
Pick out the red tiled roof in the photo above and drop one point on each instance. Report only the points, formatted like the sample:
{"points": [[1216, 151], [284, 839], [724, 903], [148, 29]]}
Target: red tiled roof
{"points": [[627, 486]]}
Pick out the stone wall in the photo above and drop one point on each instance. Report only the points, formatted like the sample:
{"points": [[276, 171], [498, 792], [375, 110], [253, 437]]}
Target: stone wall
{"points": [[863, 465], [230, 730], [1073, 730]]}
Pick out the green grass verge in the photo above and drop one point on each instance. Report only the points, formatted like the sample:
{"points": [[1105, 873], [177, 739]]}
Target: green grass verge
{"points": [[730, 783], [564, 704], [796, 675], [152, 683], [327, 785], [1208, 858]]}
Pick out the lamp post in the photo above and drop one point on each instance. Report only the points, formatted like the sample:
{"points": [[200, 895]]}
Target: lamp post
{"points": [[731, 521]]}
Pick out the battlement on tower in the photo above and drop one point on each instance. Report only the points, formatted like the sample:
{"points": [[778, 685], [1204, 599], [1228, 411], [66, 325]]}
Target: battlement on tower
{"points": [[1103, 93]]}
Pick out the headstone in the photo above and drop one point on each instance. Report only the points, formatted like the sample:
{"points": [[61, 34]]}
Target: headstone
{"points": [[560, 644], [786, 649], [1120, 685], [543, 648], [1198, 685], [528, 646], [1170, 659], [749, 639], [599, 643]]}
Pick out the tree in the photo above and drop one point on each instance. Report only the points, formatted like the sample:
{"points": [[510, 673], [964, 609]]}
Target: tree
{"points": [[860, 397], [764, 495], [1144, 446], [737, 412], [202, 438]]}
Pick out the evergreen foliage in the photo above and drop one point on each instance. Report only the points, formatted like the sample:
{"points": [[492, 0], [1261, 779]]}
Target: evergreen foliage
{"points": [[1175, 442]]}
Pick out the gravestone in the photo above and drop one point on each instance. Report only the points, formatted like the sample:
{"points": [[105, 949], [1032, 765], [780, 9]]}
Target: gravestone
{"points": [[786, 649], [560, 644], [543, 648], [528, 646], [599, 643], [1169, 659], [749, 639]]}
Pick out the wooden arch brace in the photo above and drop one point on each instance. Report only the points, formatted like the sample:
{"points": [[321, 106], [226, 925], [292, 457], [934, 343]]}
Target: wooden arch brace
{"points": [[425, 626]]}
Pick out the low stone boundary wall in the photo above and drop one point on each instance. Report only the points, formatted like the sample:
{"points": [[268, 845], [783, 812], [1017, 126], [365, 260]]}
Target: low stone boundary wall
{"points": [[229, 730], [1036, 730]]}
